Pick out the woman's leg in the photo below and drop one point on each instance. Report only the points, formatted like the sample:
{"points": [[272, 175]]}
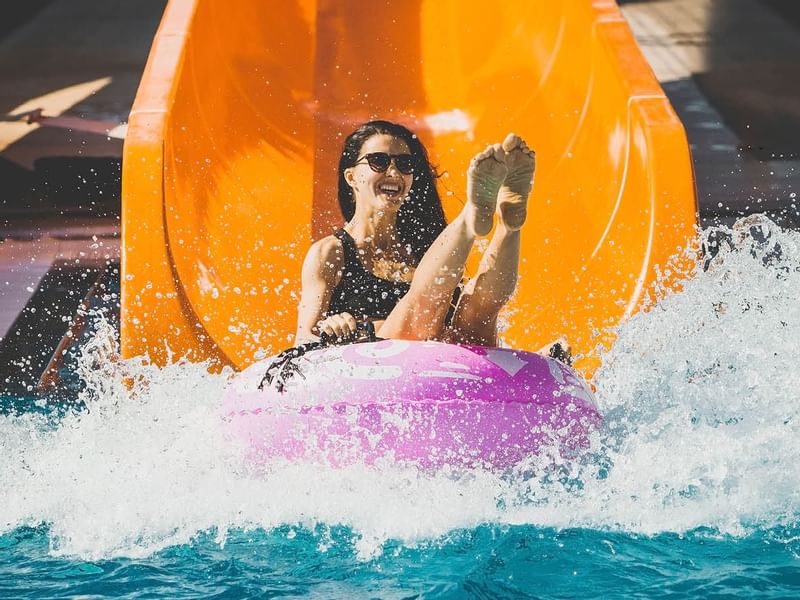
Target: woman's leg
{"points": [[420, 313], [475, 319]]}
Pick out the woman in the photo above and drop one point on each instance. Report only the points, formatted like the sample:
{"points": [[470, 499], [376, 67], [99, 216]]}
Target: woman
{"points": [[396, 262]]}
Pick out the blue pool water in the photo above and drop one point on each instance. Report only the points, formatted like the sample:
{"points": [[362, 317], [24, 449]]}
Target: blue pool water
{"points": [[522, 561], [125, 486]]}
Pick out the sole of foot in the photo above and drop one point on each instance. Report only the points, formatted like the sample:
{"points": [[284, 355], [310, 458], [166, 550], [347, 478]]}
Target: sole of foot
{"points": [[512, 200], [485, 175]]}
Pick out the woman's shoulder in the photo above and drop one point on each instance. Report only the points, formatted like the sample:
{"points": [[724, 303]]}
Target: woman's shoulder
{"points": [[326, 253], [328, 246]]}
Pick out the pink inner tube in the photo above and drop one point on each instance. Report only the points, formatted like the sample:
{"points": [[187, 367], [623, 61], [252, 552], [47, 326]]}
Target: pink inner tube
{"points": [[427, 403]]}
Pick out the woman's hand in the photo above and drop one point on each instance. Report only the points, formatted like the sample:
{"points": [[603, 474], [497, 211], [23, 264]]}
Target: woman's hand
{"points": [[340, 326]]}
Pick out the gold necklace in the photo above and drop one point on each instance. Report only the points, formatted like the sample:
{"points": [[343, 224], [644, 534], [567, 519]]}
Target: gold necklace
{"points": [[392, 269]]}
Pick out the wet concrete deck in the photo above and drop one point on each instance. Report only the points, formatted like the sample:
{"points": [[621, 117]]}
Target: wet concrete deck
{"points": [[731, 70], [79, 62]]}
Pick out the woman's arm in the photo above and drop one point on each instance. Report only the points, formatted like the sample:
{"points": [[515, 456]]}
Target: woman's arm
{"points": [[322, 270]]}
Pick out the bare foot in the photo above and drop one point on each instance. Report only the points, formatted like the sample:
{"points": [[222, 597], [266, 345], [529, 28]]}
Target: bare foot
{"points": [[512, 202], [485, 175]]}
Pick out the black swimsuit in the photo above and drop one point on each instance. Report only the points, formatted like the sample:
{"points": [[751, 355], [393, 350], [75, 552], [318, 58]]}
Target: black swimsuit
{"points": [[360, 292], [363, 294]]}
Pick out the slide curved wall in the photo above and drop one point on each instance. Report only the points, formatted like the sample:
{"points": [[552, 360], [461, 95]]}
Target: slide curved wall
{"points": [[229, 168]]}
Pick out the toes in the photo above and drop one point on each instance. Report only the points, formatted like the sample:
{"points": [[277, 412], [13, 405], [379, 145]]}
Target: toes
{"points": [[512, 141], [498, 153], [482, 155], [494, 151]]}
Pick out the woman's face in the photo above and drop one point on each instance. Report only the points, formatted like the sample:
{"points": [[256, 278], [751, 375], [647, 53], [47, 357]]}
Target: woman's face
{"points": [[386, 190]]}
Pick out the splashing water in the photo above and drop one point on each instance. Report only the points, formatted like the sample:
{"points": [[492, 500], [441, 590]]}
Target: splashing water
{"points": [[702, 434], [701, 392]]}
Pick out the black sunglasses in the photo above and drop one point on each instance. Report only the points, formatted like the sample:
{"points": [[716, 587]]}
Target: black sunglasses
{"points": [[380, 161]]}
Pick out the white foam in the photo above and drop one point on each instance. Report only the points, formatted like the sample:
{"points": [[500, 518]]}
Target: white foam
{"points": [[701, 394]]}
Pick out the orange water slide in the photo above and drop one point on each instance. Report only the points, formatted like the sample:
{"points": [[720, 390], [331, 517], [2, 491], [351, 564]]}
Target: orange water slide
{"points": [[230, 158]]}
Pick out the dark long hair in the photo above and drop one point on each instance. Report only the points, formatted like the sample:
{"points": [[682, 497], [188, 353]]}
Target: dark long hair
{"points": [[421, 217]]}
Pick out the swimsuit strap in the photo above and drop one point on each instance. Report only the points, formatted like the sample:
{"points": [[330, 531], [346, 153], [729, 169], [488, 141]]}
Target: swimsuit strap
{"points": [[350, 250]]}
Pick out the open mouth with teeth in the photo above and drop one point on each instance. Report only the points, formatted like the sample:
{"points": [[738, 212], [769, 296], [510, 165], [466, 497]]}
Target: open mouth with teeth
{"points": [[391, 189]]}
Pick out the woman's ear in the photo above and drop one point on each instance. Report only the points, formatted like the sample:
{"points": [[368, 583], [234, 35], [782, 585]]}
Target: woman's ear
{"points": [[350, 177]]}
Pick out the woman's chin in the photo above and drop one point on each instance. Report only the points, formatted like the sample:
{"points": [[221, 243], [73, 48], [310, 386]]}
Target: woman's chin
{"points": [[391, 202]]}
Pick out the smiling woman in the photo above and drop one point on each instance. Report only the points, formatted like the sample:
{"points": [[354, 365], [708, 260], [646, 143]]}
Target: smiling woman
{"points": [[395, 262], [230, 166]]}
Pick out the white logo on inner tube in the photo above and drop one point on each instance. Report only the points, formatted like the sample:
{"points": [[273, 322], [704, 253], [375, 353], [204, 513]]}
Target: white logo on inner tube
{"points": [[506, 360], [449, 375]]}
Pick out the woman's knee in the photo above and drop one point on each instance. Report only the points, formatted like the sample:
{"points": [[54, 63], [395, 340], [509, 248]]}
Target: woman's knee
{"points": [[413, 319], [480, 335]]}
